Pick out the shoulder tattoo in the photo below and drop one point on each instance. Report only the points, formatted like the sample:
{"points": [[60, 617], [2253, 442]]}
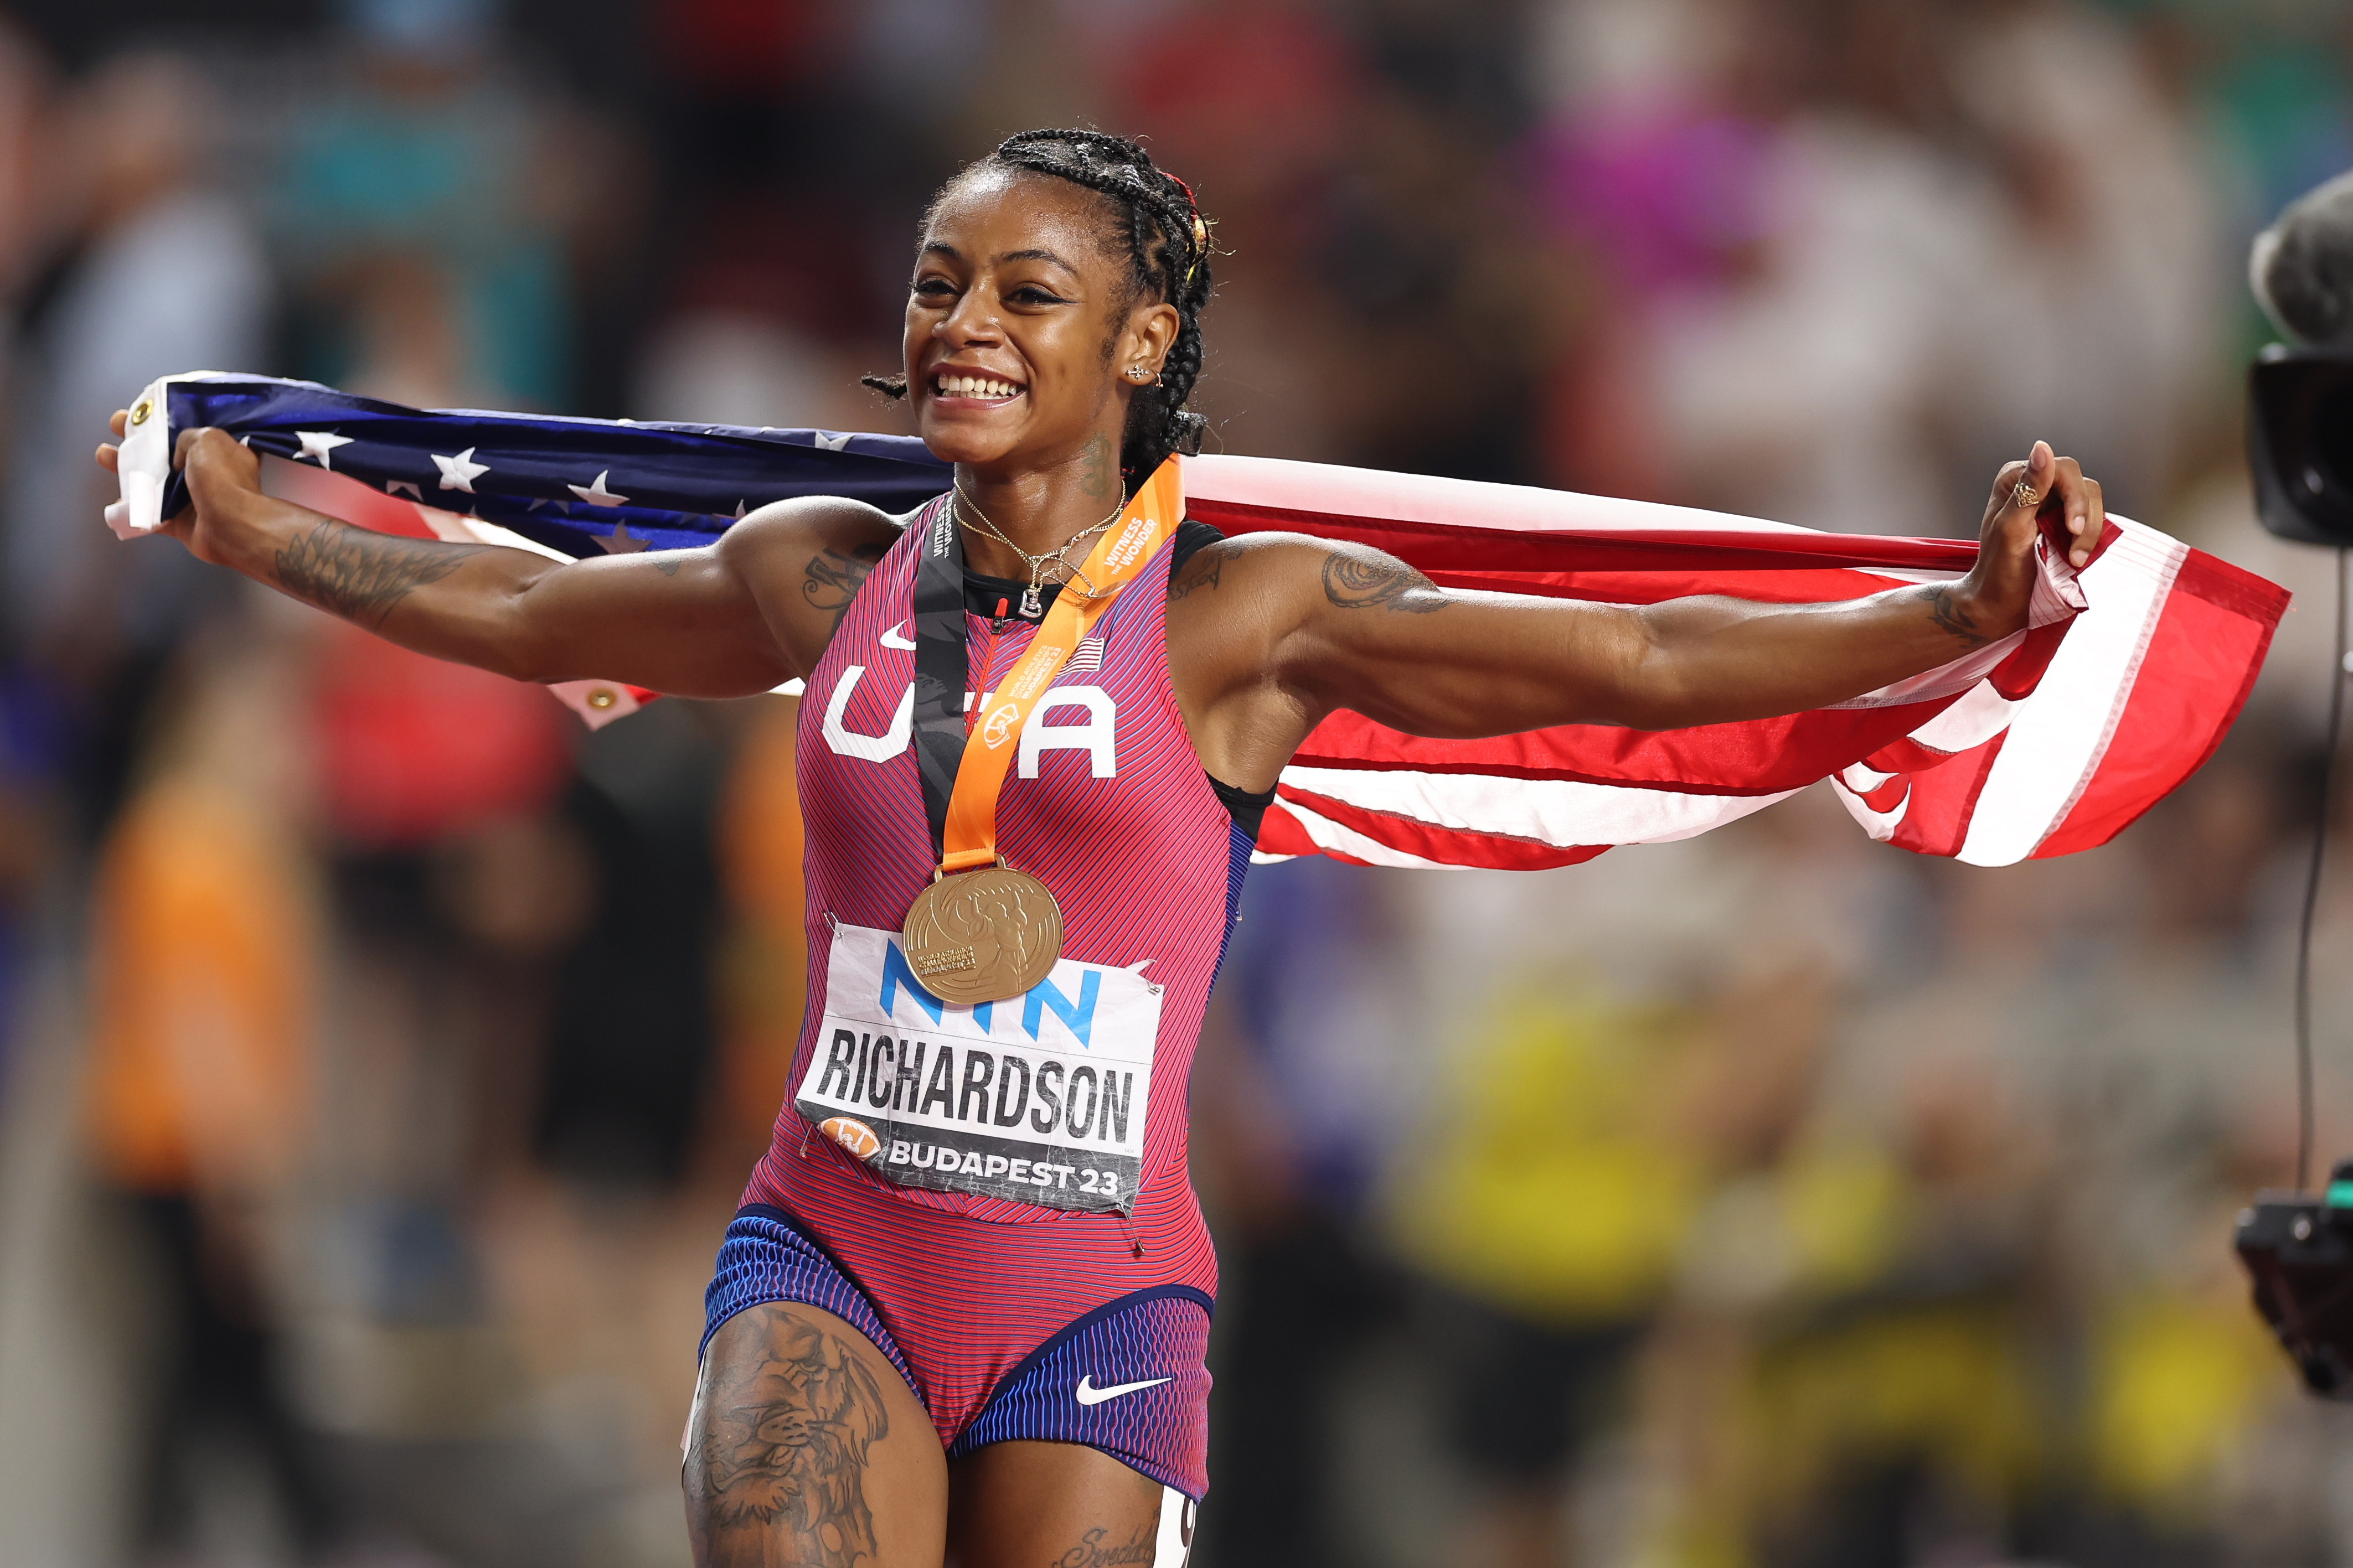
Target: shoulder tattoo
{"points": [[1203, 571], [360, 575], [832, 578], [1353, 583]]}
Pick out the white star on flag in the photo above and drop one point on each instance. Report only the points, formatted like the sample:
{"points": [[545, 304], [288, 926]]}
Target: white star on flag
{"points": [[739, 511], [394, 486], [597, 494], [316, 446], [459, 473], [618, 541], [831, 442]]}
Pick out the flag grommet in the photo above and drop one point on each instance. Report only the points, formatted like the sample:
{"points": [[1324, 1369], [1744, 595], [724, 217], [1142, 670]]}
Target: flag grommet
{"points": [[143, 408], [602, 698]]}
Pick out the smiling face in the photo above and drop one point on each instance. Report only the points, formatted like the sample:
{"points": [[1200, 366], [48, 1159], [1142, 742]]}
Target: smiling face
{"points": [[1022, 321]]}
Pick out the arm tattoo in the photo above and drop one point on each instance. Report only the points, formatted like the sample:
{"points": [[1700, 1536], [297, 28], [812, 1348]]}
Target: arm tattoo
{"points": [[667, 565], [1208, 564], [361, 575], [833, 578], [1353, 583], [1950, 616], [781, 1456], [1093, 1551], [1101, 477]]}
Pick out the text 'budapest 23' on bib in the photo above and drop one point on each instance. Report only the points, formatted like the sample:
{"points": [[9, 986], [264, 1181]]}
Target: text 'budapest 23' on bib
{"points": [[967, 1056]]}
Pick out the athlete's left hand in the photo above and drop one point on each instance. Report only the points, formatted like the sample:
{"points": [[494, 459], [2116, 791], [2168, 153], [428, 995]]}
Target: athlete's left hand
{"points": [[1999, 585]]}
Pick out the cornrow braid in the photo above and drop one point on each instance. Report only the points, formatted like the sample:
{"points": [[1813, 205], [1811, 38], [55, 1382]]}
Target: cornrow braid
{"points": [[1168, 246]]}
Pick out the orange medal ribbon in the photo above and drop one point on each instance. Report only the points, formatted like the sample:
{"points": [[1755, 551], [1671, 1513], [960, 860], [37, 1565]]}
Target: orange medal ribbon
{"points": [[970, 840]]}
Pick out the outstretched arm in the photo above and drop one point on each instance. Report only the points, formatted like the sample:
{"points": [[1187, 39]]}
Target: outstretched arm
{"points": [[1343, 626], [735, 618]]}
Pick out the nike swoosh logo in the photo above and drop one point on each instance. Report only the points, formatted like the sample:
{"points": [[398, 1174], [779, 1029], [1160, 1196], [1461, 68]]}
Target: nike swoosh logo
{"points": [[1090, 1394], [892, 639]]}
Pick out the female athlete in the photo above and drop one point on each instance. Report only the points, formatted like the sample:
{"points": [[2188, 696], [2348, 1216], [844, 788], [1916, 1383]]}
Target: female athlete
{"points": [[977, 1336]]}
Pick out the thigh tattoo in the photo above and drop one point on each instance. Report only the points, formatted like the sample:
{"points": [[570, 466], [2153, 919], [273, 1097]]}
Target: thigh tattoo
{"points": [[783, 1446], [1101, 1548]]}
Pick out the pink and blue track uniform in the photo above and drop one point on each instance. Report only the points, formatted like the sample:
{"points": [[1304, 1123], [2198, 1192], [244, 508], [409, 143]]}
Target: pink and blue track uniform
{"points": [[1021, 1238]]}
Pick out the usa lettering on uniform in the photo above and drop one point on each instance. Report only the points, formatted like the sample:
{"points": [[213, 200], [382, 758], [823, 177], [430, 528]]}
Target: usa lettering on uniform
{"points": [[1096, 734]]}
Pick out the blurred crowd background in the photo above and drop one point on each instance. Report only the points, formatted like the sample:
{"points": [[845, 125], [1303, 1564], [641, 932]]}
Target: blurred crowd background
{"points": [[381, 1054]]}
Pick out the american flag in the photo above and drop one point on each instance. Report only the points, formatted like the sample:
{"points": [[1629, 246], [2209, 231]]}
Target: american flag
{"points": [[2050, 741]]}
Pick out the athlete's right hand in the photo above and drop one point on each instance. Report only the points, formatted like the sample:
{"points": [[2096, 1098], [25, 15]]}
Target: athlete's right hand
{"points": [[222, 473]]}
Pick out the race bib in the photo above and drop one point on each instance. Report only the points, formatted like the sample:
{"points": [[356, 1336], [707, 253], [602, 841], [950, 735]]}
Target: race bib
{"points": [[1039, 1099]]}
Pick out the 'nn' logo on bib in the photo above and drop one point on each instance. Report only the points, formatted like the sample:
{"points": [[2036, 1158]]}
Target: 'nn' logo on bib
{"points": [[1078, 1016]]}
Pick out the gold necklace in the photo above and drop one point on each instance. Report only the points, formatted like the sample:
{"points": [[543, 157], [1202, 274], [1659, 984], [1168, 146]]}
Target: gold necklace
{"points": [[1032, 604]]}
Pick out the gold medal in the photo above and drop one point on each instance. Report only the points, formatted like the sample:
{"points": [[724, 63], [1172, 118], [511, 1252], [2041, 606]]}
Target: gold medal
{"points": [[983, 936]]}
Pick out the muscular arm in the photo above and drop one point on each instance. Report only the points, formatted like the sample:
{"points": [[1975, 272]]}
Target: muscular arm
{"points": [[755, 608], [1307, 627]]}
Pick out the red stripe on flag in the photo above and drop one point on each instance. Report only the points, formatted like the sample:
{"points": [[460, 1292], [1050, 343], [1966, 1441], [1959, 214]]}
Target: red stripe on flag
{"points": [[1754, 756], [1448, 845], [1944, 799], [2202, 660]]}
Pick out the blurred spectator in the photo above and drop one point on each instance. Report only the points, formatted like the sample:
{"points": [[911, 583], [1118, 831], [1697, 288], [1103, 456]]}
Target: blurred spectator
{"points": [[203, 971], [428, 153], [763, 966], [157, 272], [1305, 1079], [1548, 1201]]}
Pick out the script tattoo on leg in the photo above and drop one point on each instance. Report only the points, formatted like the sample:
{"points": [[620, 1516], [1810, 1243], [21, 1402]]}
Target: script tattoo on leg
{"points": [[782, 1457], [1096, 1550], [1353, 583], [1950, 616], [361, 575], [832, 578]]}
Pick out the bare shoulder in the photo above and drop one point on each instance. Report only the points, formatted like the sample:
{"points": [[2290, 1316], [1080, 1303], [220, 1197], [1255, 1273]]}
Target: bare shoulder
{"points": [[782, 532], [1261, 561], [804, 560]]}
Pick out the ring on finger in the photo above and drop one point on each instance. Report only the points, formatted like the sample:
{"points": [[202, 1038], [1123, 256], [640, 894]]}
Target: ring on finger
{"points": [[2024, 494]]}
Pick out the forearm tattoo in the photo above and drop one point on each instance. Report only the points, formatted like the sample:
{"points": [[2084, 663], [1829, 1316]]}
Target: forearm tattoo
{"points": [[361, 575], [1949, 616], [781, 1455], [1202, 571], [833, 578], [1353, 583], [1094, 1550]]}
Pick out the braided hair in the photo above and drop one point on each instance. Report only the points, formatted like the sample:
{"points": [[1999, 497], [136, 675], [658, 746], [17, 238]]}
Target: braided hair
{"points": [[1167, 242]]}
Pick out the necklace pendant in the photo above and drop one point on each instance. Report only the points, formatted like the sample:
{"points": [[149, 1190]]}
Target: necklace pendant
{"points": [[1031, 609]]}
